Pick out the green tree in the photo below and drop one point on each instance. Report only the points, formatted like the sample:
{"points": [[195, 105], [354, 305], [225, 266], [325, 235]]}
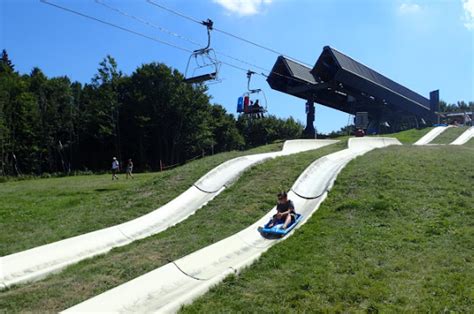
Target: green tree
{"points": [[19, 124], [164, 119], [51, 124], [226, 135], [98, 109], [459, 106], [54, 102], [263, 131], [6, 64]]}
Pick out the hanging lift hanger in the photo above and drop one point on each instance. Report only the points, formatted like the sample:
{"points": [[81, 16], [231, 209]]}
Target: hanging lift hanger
{"points": [[244, 104], [208, 59]]}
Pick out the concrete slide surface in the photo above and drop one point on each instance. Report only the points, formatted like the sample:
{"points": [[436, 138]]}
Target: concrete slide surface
{"points": [[464, 137], [167, 288], [36, 263], [431, 135]]}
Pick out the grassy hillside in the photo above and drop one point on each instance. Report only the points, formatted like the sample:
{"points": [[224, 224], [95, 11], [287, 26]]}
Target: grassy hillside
{"points": [[40, 211], [395, 235], [470, 143], [449, 135], [409, 136], [254, 194], [405, 137]]}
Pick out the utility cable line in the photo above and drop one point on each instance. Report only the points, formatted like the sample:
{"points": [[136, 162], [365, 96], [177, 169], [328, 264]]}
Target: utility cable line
{"points": [[198, 44], [133, 32], [160, 28], [167, 31], [224, 32], [161, 41], [174, 12], [116, 26]]}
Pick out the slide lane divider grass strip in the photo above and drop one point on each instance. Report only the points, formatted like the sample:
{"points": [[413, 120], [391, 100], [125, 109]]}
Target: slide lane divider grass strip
{"points": [[464, 137], [431, 135]]}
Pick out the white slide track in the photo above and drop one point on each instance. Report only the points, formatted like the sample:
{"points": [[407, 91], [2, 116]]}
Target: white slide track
{"points": [[36, 263], [464, 137], [167, 288], [431, 135]]}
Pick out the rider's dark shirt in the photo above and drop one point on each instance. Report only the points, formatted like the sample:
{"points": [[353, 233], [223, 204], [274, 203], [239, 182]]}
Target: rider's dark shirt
{"points": [[284, 207]]}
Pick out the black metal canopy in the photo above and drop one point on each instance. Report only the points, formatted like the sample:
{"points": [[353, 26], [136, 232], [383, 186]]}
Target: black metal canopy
{"points": [[340, 82]]}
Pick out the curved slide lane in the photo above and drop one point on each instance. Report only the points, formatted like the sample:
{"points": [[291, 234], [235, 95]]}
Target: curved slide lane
{"points": [[36, 263], [167, 288], [464, 137]]}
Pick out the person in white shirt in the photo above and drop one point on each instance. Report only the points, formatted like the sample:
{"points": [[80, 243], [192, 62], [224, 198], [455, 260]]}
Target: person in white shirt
{"points": [[115, 168]]}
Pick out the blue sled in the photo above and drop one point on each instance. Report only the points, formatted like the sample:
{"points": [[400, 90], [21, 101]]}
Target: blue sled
{"points": [[276, 230]]}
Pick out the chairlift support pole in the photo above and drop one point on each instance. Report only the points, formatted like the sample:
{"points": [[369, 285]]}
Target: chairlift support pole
{"points": [[309, 131], [249, 77], [209, 24]]}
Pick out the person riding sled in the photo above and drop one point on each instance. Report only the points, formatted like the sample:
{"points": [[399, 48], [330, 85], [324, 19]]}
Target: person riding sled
{"points": [[285, 211]]}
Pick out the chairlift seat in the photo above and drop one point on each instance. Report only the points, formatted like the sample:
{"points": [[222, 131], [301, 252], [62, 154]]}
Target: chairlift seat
{"points": [[247, 107], [201, 78]]}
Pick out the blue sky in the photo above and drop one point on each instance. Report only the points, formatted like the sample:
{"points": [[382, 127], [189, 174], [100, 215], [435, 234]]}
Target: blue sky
{"points": [[424, 45]]}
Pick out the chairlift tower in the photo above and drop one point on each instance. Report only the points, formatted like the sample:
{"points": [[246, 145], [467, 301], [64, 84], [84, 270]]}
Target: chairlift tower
{"points": [[339, 82], [310, 132]]}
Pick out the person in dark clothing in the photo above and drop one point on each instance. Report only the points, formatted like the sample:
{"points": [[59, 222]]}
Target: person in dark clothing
{"points": [[256, 109], [285, 211], [129, 169], [359, 133]]}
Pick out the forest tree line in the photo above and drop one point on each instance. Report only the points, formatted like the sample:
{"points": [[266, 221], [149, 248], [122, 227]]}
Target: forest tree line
{"points": [[52, 125]]}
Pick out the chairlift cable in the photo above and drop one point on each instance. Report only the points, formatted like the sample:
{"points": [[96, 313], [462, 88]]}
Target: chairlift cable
{"points": [[160, 28], [174, 12], [132, 31], [244, 62], [184, 38], [158, 40], [224, 32], [167, 31], [196, 43], [115, 26], [258, 45]]}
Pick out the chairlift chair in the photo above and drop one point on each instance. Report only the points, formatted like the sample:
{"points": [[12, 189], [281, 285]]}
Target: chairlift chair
{"points": [[249, 108], [203, 64]]}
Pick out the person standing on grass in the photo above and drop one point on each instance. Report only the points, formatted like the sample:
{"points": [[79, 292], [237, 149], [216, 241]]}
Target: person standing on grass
{"points": [[129, 169], [285, 211], [115, 168]]}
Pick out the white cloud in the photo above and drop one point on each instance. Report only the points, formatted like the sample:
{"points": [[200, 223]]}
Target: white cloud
{"points": [[243, 7], [409, 8], [468, 6]]}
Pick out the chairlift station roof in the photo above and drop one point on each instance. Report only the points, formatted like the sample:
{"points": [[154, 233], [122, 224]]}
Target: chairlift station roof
{"points": [[340, 82]]}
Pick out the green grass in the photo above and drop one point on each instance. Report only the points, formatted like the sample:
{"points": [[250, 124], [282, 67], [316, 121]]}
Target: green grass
{"points": [[405, 137], [469, 143], [409, 136], [39, 211], [396, 234], [234, 209], [449, 135]]}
